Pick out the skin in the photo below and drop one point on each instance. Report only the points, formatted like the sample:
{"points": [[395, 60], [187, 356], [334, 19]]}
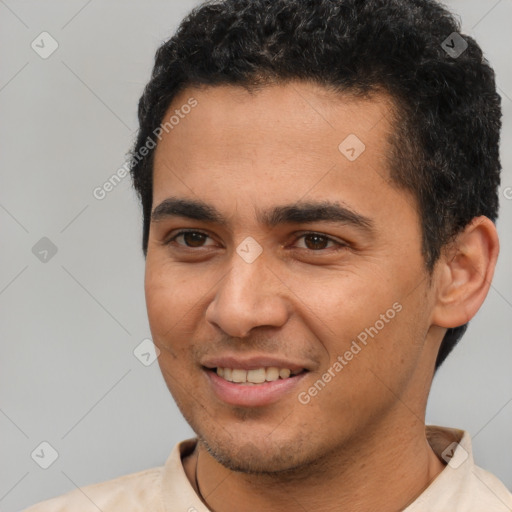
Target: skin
{"points": [[362, 436]]}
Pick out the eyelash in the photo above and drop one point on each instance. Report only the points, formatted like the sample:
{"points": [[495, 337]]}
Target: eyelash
{"points": [[340, 245]]}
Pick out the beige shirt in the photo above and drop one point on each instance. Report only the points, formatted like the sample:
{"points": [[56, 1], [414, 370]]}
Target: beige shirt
{"points": [[460, 487]]}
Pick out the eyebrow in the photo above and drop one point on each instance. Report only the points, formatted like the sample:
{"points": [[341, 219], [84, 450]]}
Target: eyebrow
{"points": [[296, 213]]}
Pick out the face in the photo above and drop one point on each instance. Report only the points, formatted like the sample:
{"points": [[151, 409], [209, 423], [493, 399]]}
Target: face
{"points": [[280, 252]]}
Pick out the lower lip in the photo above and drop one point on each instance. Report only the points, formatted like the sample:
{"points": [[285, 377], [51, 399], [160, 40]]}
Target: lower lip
{"points": [[255, 395]]}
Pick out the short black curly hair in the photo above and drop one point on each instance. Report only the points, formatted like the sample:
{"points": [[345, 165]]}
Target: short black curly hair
{"points": [[445, 146]]}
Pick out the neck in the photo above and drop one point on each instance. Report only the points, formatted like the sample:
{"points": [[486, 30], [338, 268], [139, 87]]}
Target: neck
{"points": [[398, 464]]}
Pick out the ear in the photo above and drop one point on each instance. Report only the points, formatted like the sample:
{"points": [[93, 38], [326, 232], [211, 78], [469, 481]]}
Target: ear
{"points": [[464, 273]]}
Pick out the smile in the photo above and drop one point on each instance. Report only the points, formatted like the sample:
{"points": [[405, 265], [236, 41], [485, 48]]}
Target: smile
{"points": [[255, 376], [254, 387]]}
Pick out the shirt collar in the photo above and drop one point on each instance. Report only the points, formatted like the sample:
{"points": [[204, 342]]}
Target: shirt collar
{"points": [[448, 491], [177, 492]]}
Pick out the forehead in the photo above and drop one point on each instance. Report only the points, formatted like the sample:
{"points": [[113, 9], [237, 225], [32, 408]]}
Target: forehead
{"points": [[293, 139], [295, 112]]}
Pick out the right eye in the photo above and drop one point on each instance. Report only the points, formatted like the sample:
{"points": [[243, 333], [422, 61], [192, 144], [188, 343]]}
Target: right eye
{"points": [[191, 239]]}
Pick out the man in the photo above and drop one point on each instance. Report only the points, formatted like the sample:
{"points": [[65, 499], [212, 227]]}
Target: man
{"points": [[319, 189]]}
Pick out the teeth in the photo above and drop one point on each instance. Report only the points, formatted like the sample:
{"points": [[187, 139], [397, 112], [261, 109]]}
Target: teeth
{"points": [[284, 373], [272, 373], [257, 376], [239, 375]]}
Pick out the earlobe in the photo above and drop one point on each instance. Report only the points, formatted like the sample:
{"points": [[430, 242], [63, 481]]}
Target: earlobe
{"points": [[464, 273]]}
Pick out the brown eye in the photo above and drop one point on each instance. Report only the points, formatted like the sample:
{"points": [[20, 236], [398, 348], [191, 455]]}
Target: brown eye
{"points": [[318, 242], [315, 242], [194, 239], [190, 239]]}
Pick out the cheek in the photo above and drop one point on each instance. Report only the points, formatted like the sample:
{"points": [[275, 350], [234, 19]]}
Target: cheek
{"points": [[168, 299], [366, 322], [176, 301], [167, 306], [350, 303]]}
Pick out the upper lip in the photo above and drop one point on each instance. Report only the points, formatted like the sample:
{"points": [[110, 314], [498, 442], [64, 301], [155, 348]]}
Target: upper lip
{"points": [[251, 363]]}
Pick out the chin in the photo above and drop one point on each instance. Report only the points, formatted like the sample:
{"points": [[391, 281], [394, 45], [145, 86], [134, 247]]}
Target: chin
{"points": [[260, 456]]}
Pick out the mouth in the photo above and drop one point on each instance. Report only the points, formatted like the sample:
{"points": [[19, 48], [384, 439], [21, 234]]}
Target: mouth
{"points": [[253, 387], [255, 376]]}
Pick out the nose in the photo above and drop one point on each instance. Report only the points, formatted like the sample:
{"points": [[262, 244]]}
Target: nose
{"points": [[250, 295]]}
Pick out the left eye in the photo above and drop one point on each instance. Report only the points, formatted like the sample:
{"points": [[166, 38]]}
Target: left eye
{"points": [[317, 241], [311, 241]]}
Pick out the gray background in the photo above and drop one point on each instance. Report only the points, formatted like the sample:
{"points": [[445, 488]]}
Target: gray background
{"points": [[70, 325]]}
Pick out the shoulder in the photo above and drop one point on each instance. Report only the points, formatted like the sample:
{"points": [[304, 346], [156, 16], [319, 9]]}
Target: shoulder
{"points": [[462, 486], [136, 491], [490, 492]]}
